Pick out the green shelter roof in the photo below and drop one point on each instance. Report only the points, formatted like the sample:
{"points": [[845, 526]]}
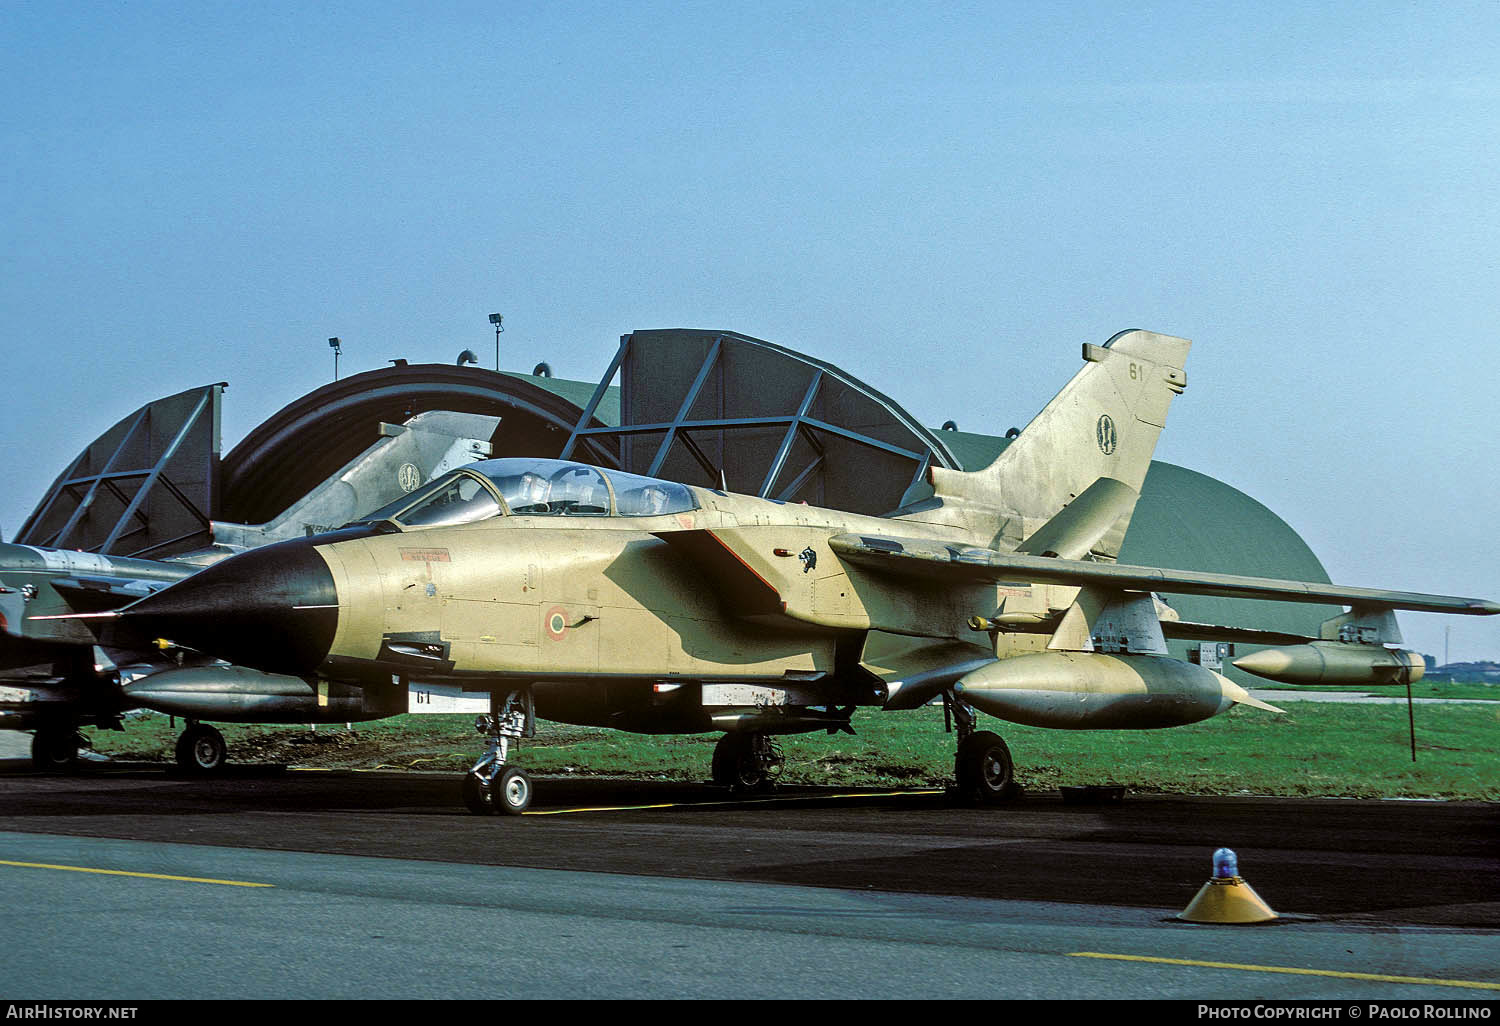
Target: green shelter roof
{"points": [[578, 393]]}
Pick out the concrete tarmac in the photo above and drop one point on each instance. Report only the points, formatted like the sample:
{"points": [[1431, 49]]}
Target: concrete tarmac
{"points": [[93, 919], [1410, 862], [383, 886]]}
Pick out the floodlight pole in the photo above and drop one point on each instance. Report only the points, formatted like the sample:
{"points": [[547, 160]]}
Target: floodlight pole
{"points": [[335, 345], [499, 323]]}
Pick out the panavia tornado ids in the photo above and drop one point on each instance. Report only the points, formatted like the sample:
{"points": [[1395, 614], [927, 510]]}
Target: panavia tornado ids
{"points": [[591, 596]]}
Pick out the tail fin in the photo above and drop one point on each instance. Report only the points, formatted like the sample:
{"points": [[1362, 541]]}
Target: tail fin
{"points": [[404, 457], [1103, 424]]}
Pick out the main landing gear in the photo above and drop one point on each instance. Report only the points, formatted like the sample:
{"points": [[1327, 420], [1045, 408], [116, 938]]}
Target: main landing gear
{"points": [[491, 787], [54, 748], [201, 750], [747, 762], [982, 766]]}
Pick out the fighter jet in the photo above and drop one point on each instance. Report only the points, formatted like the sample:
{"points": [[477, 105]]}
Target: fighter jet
{"points": [[590, 596], [56, 675]]}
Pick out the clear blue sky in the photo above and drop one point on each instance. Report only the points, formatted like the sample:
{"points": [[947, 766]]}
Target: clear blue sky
{"points": [[944, 199]]}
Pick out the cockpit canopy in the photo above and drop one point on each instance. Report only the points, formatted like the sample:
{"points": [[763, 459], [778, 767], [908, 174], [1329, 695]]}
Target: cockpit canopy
{"points": [[533, 487]]}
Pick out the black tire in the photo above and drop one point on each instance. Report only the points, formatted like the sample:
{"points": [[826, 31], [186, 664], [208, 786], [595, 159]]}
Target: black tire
{"points": [[201, 750], [735, 765], [511, 793], [727, 755], [55, 749], [478, 797], [985, 770]]}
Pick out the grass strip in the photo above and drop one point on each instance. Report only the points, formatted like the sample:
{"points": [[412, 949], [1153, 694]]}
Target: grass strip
{"points": [[1314, 749]]}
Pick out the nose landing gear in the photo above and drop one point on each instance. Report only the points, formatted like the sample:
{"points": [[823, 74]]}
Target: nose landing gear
{"points": [[491, 787]]}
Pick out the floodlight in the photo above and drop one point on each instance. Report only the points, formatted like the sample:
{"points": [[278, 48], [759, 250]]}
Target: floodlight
{"points": [[496, 320]]}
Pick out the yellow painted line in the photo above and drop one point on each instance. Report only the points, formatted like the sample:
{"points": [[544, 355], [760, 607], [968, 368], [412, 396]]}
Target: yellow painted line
{"points": [[1375, 977], [383, 768], [148, 876], [330, 769], [861, 794], [665, 805], [602, 808], [729, 804]]}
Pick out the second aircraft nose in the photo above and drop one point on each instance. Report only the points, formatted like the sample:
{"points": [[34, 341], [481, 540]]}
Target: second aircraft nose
{"points": [[273, 608]]}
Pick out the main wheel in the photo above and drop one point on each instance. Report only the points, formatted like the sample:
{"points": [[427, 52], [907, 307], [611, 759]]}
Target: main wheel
{"points": [[985, 770], [741, 765], [201, 750], [512, 792], [55, 749]]}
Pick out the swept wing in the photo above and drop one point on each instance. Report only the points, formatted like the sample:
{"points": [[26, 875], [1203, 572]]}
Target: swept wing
{"points": [[936, 561]]}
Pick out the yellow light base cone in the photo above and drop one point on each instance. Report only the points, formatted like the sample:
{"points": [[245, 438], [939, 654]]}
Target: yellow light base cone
{"points": [[1227, 901]]}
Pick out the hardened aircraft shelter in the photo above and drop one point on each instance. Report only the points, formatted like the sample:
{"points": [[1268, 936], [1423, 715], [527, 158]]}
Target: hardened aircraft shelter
{"points": [[711, 408]]}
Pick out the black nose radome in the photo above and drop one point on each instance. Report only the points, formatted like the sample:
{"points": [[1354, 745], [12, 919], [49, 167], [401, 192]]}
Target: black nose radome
{"points": [[273, 608]]}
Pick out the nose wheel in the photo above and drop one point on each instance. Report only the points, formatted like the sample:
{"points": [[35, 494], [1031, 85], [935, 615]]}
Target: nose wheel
{"points": [[492, 787], [507, 794]]}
